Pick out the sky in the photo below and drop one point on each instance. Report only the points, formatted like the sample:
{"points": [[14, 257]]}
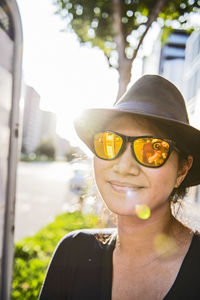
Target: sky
{"points": [[67, 76]]}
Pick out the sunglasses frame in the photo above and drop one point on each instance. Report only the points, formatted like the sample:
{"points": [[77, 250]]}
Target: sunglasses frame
{"points": [[130, 139]]}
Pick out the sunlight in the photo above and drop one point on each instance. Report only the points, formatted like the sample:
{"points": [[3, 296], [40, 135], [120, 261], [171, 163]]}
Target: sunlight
{"points": [[67, 76]]}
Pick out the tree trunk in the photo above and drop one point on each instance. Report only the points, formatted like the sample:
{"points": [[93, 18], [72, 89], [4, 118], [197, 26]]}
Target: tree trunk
{"points": [[125, 64], [124, 76]]}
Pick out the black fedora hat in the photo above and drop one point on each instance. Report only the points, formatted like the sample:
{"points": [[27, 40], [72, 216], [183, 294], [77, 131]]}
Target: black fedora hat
{"points": [[155, 98]]}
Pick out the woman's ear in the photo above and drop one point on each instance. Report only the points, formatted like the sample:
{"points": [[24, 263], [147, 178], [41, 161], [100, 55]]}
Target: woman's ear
{"points": [[184, 168]]}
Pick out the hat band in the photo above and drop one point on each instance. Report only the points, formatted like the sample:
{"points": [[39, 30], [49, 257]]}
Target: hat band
{"points": [[150, 109]]}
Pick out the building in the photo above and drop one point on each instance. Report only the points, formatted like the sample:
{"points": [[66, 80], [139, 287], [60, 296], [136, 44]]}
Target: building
{"points": [[47, 125], [168, 60], [192, 77], [172, 58], [192, 84], [31, 120], [38, 125], [62, 146]]}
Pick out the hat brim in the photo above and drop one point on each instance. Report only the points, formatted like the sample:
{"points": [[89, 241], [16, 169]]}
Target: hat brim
{"points": [[94, 120]]}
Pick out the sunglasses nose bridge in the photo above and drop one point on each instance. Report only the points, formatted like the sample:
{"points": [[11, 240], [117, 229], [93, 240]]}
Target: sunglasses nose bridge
{"points": [[130, 140], [127, 141], [126, 162]]}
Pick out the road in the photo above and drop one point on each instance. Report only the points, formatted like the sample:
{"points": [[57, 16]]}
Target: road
{"points": [[42, 193]]}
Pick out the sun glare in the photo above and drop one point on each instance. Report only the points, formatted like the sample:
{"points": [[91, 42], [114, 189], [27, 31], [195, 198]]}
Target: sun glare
{"points": [[68, 77]]}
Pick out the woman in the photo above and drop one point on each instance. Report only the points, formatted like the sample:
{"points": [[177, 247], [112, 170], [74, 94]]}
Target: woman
{"points": [[146, 155]]}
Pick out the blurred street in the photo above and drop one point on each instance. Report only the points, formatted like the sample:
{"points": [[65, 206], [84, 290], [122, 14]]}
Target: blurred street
{"points": [[42, 193]]}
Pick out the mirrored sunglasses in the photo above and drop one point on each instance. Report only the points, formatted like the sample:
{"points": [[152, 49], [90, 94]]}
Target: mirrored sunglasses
{"points": [[149, 151]]}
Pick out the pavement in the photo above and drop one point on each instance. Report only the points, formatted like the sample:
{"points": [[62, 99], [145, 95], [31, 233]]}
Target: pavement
{"points": [[42, 193]]}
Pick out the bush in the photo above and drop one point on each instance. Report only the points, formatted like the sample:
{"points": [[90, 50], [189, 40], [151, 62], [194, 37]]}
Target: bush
{"points": [[32, 254], [47, 149]]}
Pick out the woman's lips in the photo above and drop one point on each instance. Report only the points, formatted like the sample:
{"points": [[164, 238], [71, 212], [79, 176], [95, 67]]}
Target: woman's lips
{"points": [[123, 187]]}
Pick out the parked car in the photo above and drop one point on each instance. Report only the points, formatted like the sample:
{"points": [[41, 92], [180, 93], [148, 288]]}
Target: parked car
{"points": [[81, 176]]}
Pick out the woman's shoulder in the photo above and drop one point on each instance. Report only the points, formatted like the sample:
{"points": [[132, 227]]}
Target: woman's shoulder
{"points": [[95, 237]]}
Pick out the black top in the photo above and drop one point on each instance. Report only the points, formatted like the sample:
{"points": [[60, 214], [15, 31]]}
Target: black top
{"points": [[81, 268]]}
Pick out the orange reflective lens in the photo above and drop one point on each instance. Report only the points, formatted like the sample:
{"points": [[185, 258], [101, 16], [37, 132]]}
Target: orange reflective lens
{"points": [[151, 151], [107, 144], [148, 151]]}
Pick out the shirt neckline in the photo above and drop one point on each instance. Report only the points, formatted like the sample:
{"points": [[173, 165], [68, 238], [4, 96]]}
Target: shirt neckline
{"points": [[108, 269]]}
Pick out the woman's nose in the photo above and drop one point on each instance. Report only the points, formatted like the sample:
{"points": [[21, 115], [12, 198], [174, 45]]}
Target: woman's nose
{"points": [[126, 163]]}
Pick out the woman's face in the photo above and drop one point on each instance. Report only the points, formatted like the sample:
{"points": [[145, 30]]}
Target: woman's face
{"points": [[123, 183]]}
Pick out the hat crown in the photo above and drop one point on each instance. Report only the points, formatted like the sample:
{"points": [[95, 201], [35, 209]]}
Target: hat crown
{"points": [[154, 95]]}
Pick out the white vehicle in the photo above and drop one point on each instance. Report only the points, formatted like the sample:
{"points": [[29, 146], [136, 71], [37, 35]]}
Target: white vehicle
{"points": [[79, 183]]}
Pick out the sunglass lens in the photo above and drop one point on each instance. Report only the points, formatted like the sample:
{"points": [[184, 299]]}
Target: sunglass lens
{"points": [[107, 144], [151, 151]]}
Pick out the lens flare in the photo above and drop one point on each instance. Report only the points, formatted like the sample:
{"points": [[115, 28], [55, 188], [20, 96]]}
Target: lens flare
{"points": [[165, 245], [143, 211], [129, 193]]}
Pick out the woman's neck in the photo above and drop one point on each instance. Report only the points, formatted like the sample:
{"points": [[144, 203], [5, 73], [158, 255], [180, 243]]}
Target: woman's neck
{"points": [[153, 236]]}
